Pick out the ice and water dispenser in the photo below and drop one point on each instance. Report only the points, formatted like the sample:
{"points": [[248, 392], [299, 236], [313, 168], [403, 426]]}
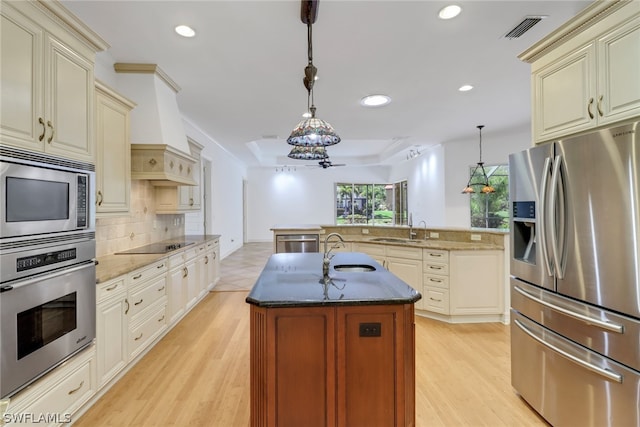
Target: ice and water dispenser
{"points": [[524, 231]]}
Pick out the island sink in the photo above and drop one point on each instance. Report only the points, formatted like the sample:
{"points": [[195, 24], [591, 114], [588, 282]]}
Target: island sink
{"points": [[355, 268]]}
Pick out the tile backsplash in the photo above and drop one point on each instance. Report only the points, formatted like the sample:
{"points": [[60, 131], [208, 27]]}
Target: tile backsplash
{"points": [[142, 226]]}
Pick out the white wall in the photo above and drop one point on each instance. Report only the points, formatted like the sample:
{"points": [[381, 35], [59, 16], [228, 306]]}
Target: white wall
{"points": [[303, 196]]}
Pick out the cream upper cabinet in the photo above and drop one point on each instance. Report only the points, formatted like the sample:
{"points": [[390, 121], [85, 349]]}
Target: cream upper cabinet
{"points": [[589, 80], [183, 198], [47, 86], [113, 152]]}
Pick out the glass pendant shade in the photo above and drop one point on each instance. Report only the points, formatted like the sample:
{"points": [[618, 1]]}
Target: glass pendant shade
{"points": [[482, 180], [308, 153], [313, 132]]}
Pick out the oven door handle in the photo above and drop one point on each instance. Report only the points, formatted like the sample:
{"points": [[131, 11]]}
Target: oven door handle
{"points": [[49, 275]]}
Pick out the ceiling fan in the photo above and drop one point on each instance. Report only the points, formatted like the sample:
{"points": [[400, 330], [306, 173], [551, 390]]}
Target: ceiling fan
{"points": [[326, 163]]}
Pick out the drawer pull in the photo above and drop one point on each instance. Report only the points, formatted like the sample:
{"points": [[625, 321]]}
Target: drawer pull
{"points": [[433, 299], [436, 280], [161, 289], [161, 319], [435, 255], [139, 302], [70, 392], [432, 267], [112, 287], [160, 266], [137, 276], [139, 336]]}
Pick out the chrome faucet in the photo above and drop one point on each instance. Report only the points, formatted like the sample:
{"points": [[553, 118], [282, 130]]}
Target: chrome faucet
{"points": [[412, 234], [425, 228], [326, 259]]}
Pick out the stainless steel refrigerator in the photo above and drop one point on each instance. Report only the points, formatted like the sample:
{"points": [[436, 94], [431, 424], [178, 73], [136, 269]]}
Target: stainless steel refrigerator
{"points": [[575, 278]]}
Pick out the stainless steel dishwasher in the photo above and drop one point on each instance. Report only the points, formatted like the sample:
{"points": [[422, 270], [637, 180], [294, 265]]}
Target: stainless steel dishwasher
{"points": [[287, 243]]}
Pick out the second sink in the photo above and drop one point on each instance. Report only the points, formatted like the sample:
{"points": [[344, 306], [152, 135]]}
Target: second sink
{"points": [[354, 268]]}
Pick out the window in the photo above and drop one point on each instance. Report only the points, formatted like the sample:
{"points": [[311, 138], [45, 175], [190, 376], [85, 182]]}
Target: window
{"points": [[492, 210], [372, 204]]}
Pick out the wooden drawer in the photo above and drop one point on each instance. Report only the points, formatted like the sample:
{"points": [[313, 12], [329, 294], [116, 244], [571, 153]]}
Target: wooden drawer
{"points": [[142, 335], [146, 295], [111, 289], [403, 252], [435, 280], [436, 300], [144, 274], [436, 268], [435, 255]]}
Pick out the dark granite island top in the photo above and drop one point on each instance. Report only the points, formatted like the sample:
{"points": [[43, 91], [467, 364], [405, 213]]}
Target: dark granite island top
{"points": [[296, 280]]}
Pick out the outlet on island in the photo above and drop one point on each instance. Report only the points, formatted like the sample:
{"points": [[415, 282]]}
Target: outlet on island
{"points": [[370, 329]]}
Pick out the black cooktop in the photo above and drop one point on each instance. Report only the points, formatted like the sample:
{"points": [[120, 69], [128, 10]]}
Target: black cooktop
{"points": [[156, 248]]}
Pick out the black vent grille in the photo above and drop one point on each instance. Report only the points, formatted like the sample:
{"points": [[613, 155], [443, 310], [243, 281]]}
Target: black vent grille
{"points": [[527, 23]]}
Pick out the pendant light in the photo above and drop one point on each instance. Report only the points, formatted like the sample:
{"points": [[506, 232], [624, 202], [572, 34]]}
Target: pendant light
{"points": [[308, 153], [311, 132], [483, 180]]}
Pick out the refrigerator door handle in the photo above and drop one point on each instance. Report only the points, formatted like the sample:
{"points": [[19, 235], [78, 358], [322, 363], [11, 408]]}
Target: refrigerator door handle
{"points": [[542, 223], [612, 327], [613, 376], [554, 204]]}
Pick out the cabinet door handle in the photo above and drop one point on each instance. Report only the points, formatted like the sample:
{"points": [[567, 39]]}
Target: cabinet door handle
{"points": [[70, 392], [44, 129], [52, 131], [600, 106], [137, 277], [139, 302], [206, 259], [139, 336], [191, 202], [100, 198], [185, 272], [126, 310], [161, 319], [591, 116], [214, 255]]}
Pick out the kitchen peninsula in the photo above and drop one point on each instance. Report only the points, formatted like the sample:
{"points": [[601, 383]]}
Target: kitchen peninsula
{"points": [[333, 349]]}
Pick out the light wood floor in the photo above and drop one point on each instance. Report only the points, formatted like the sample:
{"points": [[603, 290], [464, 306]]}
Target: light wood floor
{"points": [[198, 374]]}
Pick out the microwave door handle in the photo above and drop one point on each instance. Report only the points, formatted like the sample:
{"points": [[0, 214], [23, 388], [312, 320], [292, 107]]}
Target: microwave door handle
{"points": [[553, 226], [542, 222]]}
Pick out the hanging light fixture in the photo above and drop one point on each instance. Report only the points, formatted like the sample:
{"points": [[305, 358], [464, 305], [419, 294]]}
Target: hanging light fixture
{"points": [[311, 132], [308, 153], [483, 180]]}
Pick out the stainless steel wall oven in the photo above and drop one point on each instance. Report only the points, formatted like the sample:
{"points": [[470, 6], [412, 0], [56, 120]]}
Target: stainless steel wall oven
{"points": [[47, 264]]}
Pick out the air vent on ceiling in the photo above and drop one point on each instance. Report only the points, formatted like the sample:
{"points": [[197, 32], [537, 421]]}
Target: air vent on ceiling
{"points": [[527, 23]]}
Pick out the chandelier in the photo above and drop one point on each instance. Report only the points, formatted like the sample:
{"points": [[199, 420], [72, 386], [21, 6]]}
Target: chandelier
{"points": [[311, 132], [482, 180]]}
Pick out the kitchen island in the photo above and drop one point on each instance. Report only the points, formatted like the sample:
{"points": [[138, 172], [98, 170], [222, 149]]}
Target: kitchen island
{"points": [[331, 350]]}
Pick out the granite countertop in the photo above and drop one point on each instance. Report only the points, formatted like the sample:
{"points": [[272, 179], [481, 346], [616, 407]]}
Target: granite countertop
{"points": [[297, 227], [428, 244], [112, 266], [296, 280]]}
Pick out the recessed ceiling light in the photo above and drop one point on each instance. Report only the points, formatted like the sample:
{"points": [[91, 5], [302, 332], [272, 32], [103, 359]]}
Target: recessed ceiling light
{"points": [[449, 12], [185, 31], [375, 100], [465, 88]]}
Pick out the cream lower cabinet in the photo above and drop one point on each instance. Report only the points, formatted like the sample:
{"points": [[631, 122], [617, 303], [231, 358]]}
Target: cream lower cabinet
{"points": [[591, 79], [176, 288], [111, 329], [47, 87], [52, 400], [404, 262], [113, 152], [202, 261], [146, 306], [212, 263], [477, 283], [435, 281]]}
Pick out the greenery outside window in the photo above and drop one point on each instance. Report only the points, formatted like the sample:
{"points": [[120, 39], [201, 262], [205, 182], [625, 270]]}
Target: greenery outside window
{"points": [[491, 210], [371, 204]]}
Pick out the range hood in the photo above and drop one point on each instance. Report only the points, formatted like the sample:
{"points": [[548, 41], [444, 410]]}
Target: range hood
{"points": [[159, 148]]}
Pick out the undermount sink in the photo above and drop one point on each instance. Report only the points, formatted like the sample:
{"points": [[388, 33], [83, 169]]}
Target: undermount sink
{"points": [[354, 268], [393, 240]]}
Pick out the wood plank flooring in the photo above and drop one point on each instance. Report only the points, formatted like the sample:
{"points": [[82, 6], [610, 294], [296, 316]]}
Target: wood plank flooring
{"points": [[198, 375]]}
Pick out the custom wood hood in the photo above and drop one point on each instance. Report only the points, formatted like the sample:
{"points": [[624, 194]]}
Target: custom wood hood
{"points": [[159, 149], [162, 164]]}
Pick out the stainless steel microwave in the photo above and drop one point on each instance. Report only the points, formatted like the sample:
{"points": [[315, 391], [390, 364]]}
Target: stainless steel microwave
{"points": [[44, 194]]}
